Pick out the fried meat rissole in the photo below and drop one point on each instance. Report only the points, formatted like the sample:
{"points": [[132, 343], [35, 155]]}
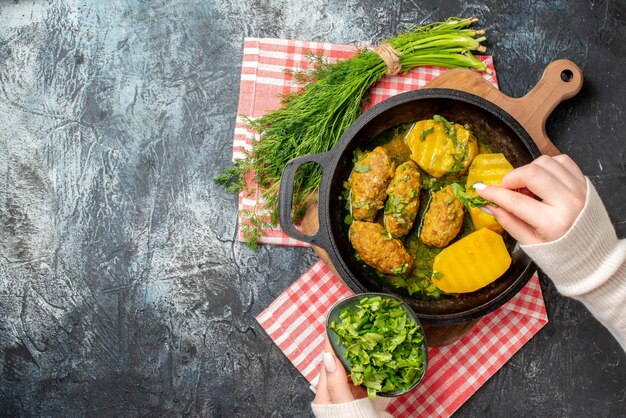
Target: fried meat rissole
{"points": [[368, 182], [443, 219], [378, 249], [404, 199]]}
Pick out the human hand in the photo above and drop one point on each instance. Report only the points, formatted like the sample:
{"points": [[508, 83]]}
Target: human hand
{"points": [[561, 188], [333, 386]]}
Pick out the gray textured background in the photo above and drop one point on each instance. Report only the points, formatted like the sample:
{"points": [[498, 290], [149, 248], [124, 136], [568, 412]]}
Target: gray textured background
{"points": [[123, 291]]}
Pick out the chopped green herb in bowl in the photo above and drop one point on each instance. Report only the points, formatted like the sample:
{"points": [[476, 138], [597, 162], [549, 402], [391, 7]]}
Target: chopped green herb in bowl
{"points": [[380, 342]]}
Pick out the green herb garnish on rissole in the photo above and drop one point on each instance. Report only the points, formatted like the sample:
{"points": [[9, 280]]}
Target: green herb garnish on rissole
{"points": [[384, 346], [312, 119]]}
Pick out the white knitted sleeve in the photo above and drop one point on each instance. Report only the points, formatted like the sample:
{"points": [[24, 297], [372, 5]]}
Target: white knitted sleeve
{"points": [[588, 263], [360, 408]]}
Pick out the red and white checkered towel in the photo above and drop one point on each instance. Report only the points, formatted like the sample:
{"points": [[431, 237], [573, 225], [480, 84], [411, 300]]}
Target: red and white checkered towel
{"points": [[296, 322], [265, 76]]}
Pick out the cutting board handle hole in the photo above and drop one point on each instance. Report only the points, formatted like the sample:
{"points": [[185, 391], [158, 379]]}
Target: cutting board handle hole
{"points": [[567, 75]]}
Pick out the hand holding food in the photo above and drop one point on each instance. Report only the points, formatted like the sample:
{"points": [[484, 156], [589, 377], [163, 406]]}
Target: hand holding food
{"points": [[560, 185], [384, 346], [333, 386]]}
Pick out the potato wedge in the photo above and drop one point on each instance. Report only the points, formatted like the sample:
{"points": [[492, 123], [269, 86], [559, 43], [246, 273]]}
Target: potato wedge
{"points": [[488, 169], [471, 263]]}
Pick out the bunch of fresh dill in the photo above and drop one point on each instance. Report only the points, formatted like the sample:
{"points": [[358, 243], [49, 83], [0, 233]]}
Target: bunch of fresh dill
{"points": [[312, 119]]}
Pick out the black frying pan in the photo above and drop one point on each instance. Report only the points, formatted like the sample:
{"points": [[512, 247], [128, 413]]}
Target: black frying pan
{"points": [[489, 120]]}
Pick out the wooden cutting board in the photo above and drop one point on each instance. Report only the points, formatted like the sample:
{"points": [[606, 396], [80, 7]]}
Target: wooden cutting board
{"points": [[561, 80]]}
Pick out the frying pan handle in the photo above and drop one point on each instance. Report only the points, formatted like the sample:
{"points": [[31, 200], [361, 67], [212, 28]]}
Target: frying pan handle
{"points": [[561, 80], [286, 197]]}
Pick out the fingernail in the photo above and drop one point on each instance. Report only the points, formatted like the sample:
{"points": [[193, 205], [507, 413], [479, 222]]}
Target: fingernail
{"points": [[486, 209], [329, 362], [479, 186]]}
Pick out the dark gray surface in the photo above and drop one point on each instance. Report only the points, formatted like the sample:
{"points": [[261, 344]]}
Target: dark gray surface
{"points": [[123, 291]]}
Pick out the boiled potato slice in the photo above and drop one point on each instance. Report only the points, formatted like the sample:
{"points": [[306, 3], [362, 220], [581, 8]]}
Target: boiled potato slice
{"points": [[481, 219], [471, 263], [488, 169], [441, 148]]}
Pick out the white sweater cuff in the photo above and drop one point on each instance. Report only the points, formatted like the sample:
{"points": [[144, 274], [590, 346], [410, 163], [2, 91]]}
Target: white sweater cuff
{"points": [[589, 264], [360, 408]]}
